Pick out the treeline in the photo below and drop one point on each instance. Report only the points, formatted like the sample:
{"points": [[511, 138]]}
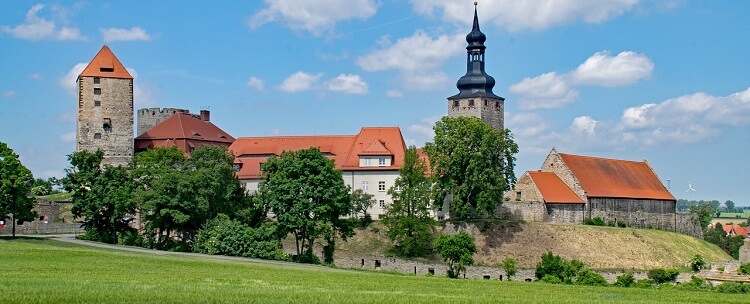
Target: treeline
{"points": [[684, 205]]}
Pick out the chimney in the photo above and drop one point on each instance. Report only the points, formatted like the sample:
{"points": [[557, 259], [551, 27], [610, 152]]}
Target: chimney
{"points": [[205, 115]]}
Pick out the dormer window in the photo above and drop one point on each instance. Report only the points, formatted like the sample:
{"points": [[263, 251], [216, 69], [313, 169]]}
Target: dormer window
{"points": [[196, 134], [381, 161], [106, 70], [237, 167]]}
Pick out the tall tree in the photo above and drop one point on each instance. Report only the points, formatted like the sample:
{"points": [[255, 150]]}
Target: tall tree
{"points": [[361, 202], [15, 188], [102, 196], [457, 250], [473, 165], [308, 197], [730, 205], [408, 219]]}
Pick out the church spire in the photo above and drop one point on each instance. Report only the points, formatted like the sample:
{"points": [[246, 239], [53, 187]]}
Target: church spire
{"points": [[476, 82]]}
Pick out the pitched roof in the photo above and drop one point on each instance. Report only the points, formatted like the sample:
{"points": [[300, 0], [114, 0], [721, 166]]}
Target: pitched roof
{"points": [[186, 126], [105, 64], [553, 189], [343, 149], [603, 177], [735, 229]]}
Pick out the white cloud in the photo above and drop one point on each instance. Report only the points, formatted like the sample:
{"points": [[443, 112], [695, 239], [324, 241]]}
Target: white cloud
{"points": [[418, 70], [552, 90], [117, 34], [143, 94], [9, 94], [584, 125], [394, 94], [419, 133], [348, 83], [317, 17], [36, 28], [546, 91], [299, 82], [68, 137], [601, 69], [520, 15], [256, 83], [68, 82]]}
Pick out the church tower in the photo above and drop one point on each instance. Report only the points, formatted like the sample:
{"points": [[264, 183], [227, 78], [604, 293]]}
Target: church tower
{"points": [[475, 97], [105, 109]]}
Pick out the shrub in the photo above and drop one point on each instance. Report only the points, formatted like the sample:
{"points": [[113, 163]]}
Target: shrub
{"points": [[733, 287], [744, 269], [457, 250], [697, 284], [622, 224], [625, 280], [661, 276], [131, 239], [558, 267], [597, 221], [551, 279], [509, 265], [697, 263], [590, 278], [222, 236], [645, 283], [720, 268]]}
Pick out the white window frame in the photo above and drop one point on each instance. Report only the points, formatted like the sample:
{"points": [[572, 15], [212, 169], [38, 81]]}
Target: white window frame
{"points": [[381, 161], [365, 185], [367, 162]]}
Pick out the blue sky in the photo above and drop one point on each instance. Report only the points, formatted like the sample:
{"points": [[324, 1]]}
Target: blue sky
{"points": [[665, 81]]}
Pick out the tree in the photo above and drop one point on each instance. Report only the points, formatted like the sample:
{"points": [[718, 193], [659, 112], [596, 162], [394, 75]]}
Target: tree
{"points": [[361, 202], [697, 263], [703, 215], [41, 187], [102, 196], [308, 198], [730, 205], [457, 250], [408, 219], [473, 164], [15, 188], [509, 265]]}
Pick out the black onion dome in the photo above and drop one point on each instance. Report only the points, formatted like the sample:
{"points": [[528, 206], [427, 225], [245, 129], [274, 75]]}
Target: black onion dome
{"points": [[476, 37]]}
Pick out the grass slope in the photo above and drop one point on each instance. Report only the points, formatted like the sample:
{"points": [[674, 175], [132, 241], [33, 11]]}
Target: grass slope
{"points": [[37, 271]]}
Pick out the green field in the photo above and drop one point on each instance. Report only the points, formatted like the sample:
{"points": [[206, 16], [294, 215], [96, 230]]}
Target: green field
{"points": [[40, 270]]}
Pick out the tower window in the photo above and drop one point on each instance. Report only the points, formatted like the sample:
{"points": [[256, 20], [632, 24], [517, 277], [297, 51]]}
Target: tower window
{"points": [[497, 104], [485, 102], [471, 102], [97, 91], [97, 135], [97, 80], [97, 103], [456, 103], [107, 123]]}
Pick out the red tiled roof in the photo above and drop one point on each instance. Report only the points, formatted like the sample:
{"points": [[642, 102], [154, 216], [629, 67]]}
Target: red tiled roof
{"points": [[106, 65], [376, 148], [603, 177], [553, 189], [186, 126], [735, 229], [343, 149]]}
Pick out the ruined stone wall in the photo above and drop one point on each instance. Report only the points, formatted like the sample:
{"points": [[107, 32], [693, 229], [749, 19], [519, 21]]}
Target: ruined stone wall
{"points": [[489, 110], [47, 211], [150, 117], [657, 214], [105, 118], [687, 223], [745, 252]]}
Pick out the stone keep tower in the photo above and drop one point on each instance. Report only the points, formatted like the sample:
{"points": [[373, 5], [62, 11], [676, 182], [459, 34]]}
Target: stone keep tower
{"points": [[105, 109], [475, 97]]}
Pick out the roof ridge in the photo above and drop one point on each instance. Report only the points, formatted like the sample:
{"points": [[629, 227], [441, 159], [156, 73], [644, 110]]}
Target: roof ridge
{"points": [[603, 158]]}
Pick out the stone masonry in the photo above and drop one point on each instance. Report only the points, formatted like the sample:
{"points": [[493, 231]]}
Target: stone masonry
{"points": [[489, 110], [745, 252], [105, 118], [150, 117]]}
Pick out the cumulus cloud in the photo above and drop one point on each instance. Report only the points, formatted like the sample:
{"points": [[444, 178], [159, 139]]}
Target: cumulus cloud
{"points": [[143, 95], [68, 137], [417, 70], [37, 28], [601, 69], [584, 125], [419, 133], [348, 84], [117, 34], [299, 82], [317, 17], [9, 94], [256, 83], [552, 90], [520, 15], [68, 82]]}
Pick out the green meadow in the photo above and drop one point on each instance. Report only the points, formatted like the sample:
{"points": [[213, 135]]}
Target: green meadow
{"points": [[50, 271]]}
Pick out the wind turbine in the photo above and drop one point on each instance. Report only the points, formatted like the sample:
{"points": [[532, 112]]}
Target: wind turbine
{"points": [[690, 188]]}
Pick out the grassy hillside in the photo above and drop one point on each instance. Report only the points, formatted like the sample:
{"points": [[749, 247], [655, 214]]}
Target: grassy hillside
{"points": [[597, 247], [48, 271]]}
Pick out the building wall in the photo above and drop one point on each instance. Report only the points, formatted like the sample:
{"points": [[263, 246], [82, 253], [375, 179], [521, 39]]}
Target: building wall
{"points": [[491, 113], [527, 211], [116, 102], [150, 117], [687, 223], [554, 163], [637, 213], [374, 161], [564, 213], [524, 190]]}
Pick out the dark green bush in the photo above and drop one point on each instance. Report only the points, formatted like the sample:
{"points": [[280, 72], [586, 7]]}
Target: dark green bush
{"points": [[661, 276], [597, 221], [733, 287], [131, 239], [622, 224], [550, 279], [556, 266], [222, 236], [744, 269], [645, 283], [590, 278], [625, 280]]}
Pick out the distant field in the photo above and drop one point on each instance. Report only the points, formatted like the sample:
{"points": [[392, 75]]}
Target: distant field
{"points": [[743, 215], [48, 271]]}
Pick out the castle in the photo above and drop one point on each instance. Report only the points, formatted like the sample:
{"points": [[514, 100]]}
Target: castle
{"points": [[568, 189]]}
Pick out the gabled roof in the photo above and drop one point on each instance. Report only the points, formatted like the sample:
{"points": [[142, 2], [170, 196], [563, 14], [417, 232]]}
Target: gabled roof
{"points": [[603, 177], [186, 126], [734, 230], [251, 152], [106, 65], [553, 189]]}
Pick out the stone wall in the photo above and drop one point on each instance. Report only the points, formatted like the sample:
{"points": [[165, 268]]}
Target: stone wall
{"points": [[524, 190], [745, 252], [150, 117], [40, 227], [564, 213], [489, 110], [105, 118], [523, 211], [687, 223], [657, 214]]}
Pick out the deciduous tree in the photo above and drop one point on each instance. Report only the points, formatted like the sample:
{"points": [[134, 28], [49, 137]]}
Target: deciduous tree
{"points": [[361, 202], [408, 220], [15, 188], [457, 250], [473, 165]]}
